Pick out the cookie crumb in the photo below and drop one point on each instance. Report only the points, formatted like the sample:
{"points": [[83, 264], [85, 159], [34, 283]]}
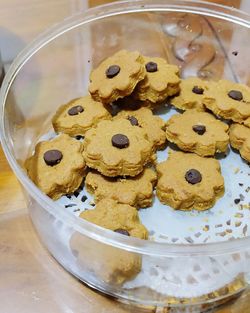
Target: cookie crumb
{"points": [[236, 171], [239, 215], [248, 189], [237, 201], [238, 224], [206, 228], [244, 231], [218, 225], [189, 239], [70, 205]]}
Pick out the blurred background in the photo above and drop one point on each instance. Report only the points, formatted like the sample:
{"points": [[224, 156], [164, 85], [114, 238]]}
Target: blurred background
{"points": [[21, 21]]}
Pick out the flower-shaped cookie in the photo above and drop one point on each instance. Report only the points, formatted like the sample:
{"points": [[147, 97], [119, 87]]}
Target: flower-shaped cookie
{"points": [[228, 100], [188, 181], [120, 218], [117, 76], [57, 167], [115, 265], [191, 94], [117, 148], [153, 125], [198, 132], [136, 191], [161, 81], [240, 140], [79, 115]]}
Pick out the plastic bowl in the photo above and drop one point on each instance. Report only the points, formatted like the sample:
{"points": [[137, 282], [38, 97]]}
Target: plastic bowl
{"points": [[204, 39]]}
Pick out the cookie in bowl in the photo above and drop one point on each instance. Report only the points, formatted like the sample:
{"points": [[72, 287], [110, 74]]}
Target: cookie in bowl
{"points": [[152, 124], [117, 148], [191, 94], [136, 191], [117, 76], [78, 116], [198, 132], [228, 100], [116, 265], [187, 181], [161, 81], [240, 140], [57, 166]]}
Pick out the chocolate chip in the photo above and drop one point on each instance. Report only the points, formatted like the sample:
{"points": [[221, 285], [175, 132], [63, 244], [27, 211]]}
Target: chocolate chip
{"points": [[235, 53], [193, 176], [76, 193], [198, 90], [75, 110], [112, 71], [52, 157], [133, 120], [84, 198], [199, 129], [120, 141], [68, 196], [237, 201], [235, 95], [151, 67], [122, 232], [79, 137]]}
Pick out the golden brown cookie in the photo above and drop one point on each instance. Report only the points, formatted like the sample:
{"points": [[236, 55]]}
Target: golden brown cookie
{"points": [[116, 265], [161, 81], [240, 140], [136, 191], [116, 148], [120, 218], [57, 167], [79, 115], [117, 76], [198, 132], [188, 181], [191, 94], [153, 125], [228, 100]]}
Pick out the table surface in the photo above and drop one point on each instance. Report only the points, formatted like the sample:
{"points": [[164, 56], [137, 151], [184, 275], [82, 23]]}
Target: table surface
{"points": [[30, 279]]}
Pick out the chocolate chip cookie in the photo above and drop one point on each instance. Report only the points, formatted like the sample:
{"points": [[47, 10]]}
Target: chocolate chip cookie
{"points": [[79, 115], [198, 132], [57, 166], [152, 124], [161, 81], [191, 94], [228, 100], [188, 181], [117, 76], [116, 265], [136, 191], [117, 148]]}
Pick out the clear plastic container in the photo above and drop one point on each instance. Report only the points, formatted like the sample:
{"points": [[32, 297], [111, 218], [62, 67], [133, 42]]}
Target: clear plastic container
{"points": [[203, 39]]}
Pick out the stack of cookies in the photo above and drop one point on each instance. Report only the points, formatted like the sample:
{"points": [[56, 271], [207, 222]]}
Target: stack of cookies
{"points": [[111, 136], [117, 151]]}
